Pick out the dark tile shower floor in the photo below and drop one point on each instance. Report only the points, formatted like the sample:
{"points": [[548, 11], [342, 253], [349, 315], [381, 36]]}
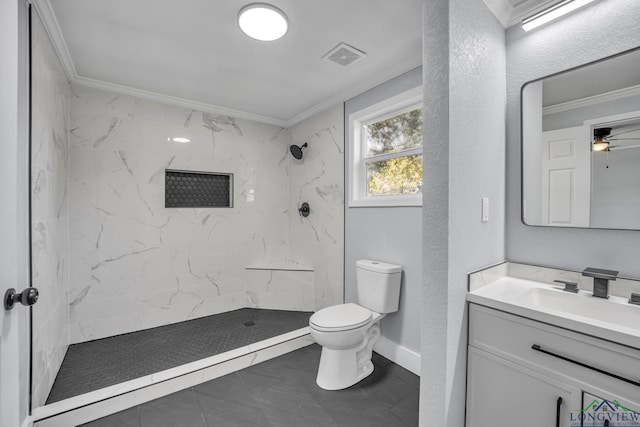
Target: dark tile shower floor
{"points": [[282, 392], [101, 363]]}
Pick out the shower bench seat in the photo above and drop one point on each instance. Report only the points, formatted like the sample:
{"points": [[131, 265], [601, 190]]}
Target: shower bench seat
{"points": [[281, 286]]}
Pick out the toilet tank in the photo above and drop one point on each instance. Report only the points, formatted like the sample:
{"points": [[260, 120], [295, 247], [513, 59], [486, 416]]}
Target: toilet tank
{"points": [[378, 285]]}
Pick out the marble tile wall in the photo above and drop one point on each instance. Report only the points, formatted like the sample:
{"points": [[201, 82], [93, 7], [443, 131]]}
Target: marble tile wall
{"points": [[136, 264], [282, 288], [318, 179], [50, 213]]}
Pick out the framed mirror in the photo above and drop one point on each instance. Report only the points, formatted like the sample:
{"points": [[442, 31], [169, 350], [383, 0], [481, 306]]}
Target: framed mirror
{"points": [[581, 146]]}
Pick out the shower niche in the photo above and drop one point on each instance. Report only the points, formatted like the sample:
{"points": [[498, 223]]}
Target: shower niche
{"points": [[191, 189]]}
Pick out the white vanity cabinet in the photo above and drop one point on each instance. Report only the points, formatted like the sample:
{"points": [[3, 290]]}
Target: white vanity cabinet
{"points": [[530, 374]]}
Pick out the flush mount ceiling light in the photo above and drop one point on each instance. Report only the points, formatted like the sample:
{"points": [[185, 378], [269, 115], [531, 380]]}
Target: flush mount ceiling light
{"points": [[553, 12], [262, 21]]}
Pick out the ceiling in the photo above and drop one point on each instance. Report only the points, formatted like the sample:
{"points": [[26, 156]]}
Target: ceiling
{"points": [[192, 52]]}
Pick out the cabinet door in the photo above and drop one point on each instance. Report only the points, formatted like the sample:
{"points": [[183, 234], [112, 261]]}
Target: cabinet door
{"points": [[502, 393], [608, 411]]}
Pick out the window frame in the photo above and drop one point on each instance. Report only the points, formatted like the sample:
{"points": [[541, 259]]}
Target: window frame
{"points": [[358, 160]]}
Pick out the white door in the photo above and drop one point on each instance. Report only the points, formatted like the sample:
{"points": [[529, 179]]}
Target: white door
{"points": [[566, 177], [14, 326]]}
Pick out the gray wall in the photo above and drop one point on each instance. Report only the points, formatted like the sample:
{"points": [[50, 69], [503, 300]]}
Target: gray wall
{"points": [[615, 187], [464, 75], [567, 43], [390, 234]]}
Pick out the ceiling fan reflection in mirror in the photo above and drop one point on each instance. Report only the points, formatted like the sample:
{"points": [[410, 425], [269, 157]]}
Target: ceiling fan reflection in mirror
{"points": [[602, 138]]}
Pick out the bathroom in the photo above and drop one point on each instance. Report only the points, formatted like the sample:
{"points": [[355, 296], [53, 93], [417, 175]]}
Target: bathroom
{"points": [[475, 71]]}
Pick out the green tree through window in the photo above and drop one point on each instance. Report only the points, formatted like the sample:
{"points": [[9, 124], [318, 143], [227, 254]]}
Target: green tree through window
{"points": [[402, 173]]}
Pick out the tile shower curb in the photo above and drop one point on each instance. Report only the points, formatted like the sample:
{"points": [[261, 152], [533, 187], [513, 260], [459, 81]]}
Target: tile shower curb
{"points": [[97, 404]]}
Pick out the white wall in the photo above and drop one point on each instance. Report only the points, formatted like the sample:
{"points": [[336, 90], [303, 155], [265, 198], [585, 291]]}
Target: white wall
{"points": [[566, 43], [49, 210], [464, 75], [390, 234]]}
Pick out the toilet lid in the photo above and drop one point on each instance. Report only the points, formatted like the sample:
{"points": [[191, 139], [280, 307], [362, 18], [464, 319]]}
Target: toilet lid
{"points": [[340, 317]]}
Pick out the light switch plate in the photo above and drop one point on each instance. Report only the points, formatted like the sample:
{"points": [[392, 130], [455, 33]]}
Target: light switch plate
{"points": [[485, 209]]}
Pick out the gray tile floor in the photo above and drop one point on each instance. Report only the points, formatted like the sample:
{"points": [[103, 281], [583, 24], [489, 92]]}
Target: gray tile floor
{"points": [[101, 363], [282, 393]]}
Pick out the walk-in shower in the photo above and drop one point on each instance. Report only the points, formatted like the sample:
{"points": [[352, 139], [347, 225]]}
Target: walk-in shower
{"points": [[135, 237]]}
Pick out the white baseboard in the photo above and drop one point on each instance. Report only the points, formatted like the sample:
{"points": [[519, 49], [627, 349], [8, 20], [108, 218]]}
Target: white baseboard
{"points": [[399, 355]]}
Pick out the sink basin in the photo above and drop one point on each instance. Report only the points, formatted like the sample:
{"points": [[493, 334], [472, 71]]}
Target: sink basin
{"points": [[614, 310], [612, 319]]}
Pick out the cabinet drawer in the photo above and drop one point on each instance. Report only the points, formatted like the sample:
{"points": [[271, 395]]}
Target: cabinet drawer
{"points": [[571, 355]]}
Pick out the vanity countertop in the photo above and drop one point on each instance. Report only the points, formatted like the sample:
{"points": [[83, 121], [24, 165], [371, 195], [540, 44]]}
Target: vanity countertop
{"points": [[612, 319]]}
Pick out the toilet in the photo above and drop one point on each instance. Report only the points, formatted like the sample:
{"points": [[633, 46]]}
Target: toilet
{"points": [[348, 332]]}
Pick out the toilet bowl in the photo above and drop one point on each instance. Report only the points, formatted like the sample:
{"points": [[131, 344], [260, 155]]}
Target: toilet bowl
{"points": [[348, 332]]}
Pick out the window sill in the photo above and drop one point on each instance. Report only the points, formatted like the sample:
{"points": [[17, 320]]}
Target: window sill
{"points": [[387, 202]]}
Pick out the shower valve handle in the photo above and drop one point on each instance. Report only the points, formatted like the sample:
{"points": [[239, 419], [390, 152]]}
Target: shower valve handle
{"points": [[304, 209], [27, 297]]}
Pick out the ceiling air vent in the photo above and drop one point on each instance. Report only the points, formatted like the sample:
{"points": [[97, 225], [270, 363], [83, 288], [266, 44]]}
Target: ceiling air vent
{"points": [[344, 54]]}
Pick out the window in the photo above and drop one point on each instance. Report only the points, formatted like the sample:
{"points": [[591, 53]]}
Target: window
{"points": [[386, 152]]}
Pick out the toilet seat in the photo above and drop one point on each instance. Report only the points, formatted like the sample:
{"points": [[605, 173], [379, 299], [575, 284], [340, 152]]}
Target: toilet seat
{"points": [[341, 317]]}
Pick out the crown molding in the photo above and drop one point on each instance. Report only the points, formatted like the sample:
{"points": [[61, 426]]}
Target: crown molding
{"points": [[509, 15], [501, 10], [50, 22], [592, 100], [177, 101]]}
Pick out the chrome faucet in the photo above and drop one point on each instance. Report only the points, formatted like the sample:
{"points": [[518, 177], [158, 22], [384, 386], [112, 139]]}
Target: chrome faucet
{"points": [[600, 280]]}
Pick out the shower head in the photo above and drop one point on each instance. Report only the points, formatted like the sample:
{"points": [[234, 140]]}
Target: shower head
{"points": [[297, 151]]}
